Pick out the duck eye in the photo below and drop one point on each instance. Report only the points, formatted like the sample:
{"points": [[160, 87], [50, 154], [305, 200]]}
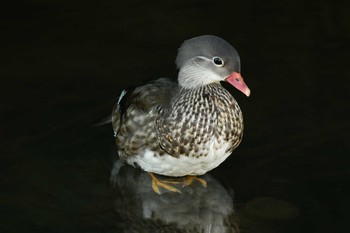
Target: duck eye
{"points": [[218, 61]]}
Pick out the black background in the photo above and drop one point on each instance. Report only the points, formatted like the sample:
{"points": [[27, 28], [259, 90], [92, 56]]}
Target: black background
{"points": [[64, 63]]}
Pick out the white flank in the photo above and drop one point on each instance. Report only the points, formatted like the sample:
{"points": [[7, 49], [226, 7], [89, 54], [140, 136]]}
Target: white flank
{"points": [[184, 165]]}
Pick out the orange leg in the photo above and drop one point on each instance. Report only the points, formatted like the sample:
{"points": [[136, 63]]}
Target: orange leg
{"points": [[185, 181], [189, 180], [156, 183]]}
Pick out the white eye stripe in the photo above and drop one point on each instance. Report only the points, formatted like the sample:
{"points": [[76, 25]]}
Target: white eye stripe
{"points": [[218, 61]]}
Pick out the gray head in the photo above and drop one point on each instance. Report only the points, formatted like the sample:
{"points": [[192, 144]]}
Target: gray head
{"points": [[206, 59]]}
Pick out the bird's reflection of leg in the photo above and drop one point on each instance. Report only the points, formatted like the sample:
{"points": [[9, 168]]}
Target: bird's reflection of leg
{"points": [[185, 181], [156, 183]]}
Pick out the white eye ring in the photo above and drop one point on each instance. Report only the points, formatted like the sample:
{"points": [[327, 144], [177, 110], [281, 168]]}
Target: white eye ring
{"points": [[218, 61]]}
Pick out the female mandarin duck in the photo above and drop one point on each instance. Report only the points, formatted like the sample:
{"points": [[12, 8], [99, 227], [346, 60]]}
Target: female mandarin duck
{"points": [[183, 128]]}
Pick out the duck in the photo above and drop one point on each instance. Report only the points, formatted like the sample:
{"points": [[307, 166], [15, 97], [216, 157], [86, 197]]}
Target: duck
{"points": [[187, 127]]}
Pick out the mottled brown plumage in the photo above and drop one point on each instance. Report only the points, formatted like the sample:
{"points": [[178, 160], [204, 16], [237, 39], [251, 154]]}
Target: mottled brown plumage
{"points": [[184, 128]]}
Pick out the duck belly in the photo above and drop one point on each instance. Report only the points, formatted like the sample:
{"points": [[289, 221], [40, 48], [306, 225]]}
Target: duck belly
{"points": [[165, 164]]}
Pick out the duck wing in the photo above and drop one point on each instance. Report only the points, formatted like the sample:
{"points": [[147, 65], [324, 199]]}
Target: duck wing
{"points": [[134, 115]]}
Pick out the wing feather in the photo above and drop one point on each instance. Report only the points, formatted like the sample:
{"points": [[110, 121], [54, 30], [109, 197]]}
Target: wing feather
{"points": [[134, 115]]}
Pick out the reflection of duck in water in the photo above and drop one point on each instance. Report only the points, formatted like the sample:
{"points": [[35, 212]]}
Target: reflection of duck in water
{"points": [[188, 127], [195, 209]]}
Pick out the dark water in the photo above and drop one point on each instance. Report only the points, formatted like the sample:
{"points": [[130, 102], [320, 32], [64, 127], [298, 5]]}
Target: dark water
{"points": [[63, 64]]}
